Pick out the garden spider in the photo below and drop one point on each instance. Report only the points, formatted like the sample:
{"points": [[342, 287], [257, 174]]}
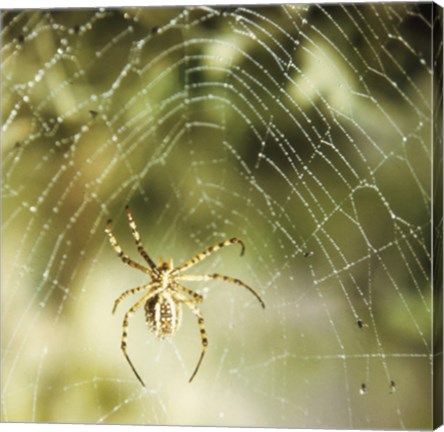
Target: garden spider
{"points": [[165, 294]]}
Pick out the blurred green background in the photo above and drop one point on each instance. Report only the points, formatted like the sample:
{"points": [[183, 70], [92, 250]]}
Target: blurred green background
{"points": [[304, 130]]}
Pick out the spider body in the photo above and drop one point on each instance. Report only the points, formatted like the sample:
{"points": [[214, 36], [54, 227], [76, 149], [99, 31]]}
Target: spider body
{"points": [[164, 294], [163, 314]]}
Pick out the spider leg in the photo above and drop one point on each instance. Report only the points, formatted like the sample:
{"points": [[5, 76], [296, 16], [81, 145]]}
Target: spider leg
{"points": [[220, 277], [203, 334], [131, 291], [136, 237], [200, 256], [125, 258], [126, 318], [197, 297]]}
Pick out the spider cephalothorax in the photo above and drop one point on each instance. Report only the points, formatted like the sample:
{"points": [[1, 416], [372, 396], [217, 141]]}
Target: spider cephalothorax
{"points": [[165, 295]]}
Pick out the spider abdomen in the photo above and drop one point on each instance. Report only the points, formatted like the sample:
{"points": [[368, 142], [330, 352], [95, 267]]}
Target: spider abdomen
{"points": [[163, 315]]}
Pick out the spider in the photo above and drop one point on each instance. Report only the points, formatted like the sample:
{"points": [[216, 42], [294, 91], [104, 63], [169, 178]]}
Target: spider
{"points": [[165, 294]]}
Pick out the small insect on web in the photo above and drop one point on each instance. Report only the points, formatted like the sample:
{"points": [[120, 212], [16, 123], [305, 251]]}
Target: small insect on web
{"points": [[165, 295]]}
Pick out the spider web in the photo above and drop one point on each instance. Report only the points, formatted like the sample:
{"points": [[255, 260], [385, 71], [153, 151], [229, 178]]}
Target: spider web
{"points": [[304, 130]]}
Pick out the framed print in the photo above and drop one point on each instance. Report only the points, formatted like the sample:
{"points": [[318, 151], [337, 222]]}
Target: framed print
{"points": [[223, 215]]}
